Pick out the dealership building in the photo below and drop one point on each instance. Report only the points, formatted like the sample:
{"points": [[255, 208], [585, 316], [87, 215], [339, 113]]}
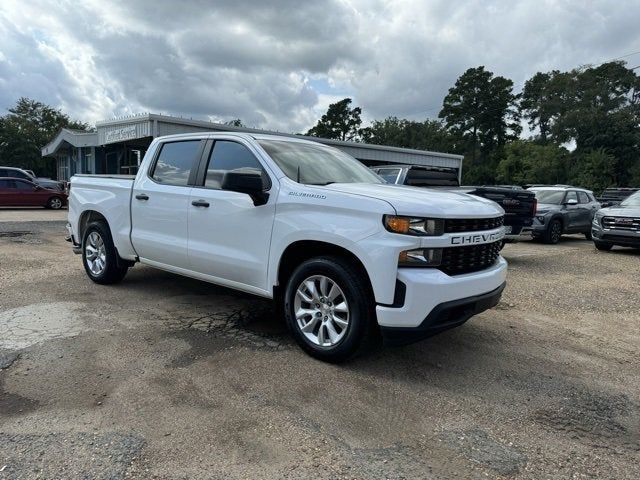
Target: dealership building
{"points": [[117, 146]]}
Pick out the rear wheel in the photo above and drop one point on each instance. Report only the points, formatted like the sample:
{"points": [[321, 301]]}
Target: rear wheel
{"points": [[553, 233], [330, 309], [55, 203], [99, 255], [603, 246]]}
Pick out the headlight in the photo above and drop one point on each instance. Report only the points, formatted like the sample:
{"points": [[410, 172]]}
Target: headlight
{"points": [[420, 227], [420, 257]]}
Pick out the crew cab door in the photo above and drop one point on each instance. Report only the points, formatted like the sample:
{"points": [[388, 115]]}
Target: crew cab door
{"points": [[160, 204], [229, 236]]}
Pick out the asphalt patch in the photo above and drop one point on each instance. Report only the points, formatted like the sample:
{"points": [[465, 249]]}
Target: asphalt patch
{"points": [[598, 420], [476, 445], [68, 455], [7, 358]]}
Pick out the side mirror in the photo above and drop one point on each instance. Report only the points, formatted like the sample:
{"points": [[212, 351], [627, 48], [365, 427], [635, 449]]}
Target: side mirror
{"points": [[37, 187], [246, 180], [571, 201]]}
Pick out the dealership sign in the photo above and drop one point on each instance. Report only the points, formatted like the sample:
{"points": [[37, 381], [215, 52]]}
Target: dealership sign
{"points": [[119, 134]]}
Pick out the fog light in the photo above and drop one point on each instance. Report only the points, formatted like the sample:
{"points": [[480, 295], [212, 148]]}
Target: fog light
{"points": [[420, 257]]}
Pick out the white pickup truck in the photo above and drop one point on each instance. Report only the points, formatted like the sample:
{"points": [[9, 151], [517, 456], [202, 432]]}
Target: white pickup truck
{"points": [[346, 256]]}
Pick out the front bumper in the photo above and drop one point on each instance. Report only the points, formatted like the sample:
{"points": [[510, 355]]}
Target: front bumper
{"points": [[625, 238], [426, 289], [443, 317]]}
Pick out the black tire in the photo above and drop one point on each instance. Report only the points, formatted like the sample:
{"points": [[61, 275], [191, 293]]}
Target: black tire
{"points": [[588, 235], [55, 203], [360, 334], [553, 232], [502, 244], [605, 247], [112, 271]]}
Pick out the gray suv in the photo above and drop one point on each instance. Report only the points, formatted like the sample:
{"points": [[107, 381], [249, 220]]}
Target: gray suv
{"points": [[618, 225], [563, 209]]}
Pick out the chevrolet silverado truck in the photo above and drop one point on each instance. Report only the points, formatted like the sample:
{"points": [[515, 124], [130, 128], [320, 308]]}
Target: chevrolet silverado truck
{"points": [[618, 225], [518, 204], [344, 255]]}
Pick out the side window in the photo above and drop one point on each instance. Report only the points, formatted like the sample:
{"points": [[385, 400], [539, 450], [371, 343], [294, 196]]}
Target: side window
{"points": [[3, 173], [175, 162], [23, 185], [20, 174], [582, 197], [226, 156], [571, 196], [389, 174]]}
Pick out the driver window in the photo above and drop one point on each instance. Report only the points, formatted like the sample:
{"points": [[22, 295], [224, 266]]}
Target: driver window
{"points": [[571, 196], [226, 156]]}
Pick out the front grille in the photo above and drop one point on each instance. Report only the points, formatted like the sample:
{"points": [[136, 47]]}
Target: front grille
{"points": [[472, 224], [622, 223], [459, 260]]}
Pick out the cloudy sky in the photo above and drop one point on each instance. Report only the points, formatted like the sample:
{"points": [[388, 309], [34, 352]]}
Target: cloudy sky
{"points": [[278, 64]]}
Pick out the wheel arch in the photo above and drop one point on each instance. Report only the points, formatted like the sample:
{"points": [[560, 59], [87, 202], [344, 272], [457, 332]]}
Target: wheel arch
{"points": [[299, 251], [86, 218]]}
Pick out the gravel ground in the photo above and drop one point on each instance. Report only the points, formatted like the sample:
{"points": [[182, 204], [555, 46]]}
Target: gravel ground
{"points": [[167, 377]]}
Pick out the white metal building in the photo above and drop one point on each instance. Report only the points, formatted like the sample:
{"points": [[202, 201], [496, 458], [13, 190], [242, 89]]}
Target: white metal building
{"points": [[118, 145]]}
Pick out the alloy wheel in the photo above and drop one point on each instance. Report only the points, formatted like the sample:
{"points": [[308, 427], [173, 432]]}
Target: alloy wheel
{"points": [[321, 311], [95, 253]]}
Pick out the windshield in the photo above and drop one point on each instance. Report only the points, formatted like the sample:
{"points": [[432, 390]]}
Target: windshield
{"points": [[632, 201], [554, 197], [317, 164]]}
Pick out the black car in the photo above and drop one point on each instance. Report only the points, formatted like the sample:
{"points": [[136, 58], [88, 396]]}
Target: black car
{"points": [[563, 209]]}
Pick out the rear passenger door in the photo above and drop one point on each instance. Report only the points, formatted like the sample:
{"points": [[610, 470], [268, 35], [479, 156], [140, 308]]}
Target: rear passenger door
{"points": [[229, 236], [160, 204]]}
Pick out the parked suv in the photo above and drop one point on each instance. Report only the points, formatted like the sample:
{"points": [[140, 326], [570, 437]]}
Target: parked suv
{"points": [[563, 209], [28, 175], [619, 225]]}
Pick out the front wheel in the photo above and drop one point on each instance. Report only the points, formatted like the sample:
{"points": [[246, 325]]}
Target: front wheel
{"points": [[99, 255], [553, 233], [605, 247], [330, 309]]}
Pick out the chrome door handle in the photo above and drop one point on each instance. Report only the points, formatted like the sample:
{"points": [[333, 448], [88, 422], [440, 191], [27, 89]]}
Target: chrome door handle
{"points": [[200, 203]]}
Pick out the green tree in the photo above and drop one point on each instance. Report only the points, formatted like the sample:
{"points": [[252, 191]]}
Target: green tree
{"points": [[427, 135], [236, 122], [481, 111], [595, 170], [526, 161], [341, 122], [28, 127]]}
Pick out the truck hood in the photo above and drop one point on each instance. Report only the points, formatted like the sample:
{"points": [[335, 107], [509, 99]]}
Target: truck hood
{"points": [[423, 202], [618, 211]]}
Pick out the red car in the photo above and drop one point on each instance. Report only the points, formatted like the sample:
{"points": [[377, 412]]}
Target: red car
{"points": [[16, 192]]}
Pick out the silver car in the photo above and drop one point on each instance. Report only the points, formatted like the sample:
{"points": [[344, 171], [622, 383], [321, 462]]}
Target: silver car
{"points": [[619, 225]]}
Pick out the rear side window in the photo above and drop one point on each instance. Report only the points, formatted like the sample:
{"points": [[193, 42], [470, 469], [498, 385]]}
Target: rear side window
{"points": [[175, 162], [582, 197], [226, 156], [3, 173]]}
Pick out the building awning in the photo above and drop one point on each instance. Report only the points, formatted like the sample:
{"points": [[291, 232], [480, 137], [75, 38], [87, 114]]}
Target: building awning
{"points": [[75, 138]]}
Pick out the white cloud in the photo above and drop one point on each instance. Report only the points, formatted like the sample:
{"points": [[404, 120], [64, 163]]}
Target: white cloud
{"points": [[279, 64]]}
